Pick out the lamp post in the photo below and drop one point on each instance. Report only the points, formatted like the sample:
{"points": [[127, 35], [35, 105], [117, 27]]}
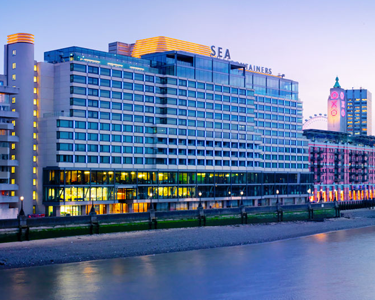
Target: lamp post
{"points": [[321, 194], [200, 200], [92, 210], [334, 195], [22, 213], [277, 197], [229, 193], [241, 198], [308, 191], [151, 207]]}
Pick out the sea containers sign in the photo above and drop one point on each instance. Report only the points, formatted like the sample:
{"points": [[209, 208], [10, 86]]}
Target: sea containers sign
{"points": [[222, 53]]}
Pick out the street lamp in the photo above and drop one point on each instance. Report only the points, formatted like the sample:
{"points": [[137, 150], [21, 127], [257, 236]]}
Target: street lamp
{"points": [[230, 196], [92, 210], [309, 191], [321, 194], [200, 200], [277, 195], [22, 213], [241, 198], [334, 195], [151, 201]]}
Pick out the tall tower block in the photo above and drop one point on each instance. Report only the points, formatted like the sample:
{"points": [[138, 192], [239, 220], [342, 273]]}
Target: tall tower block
{"points": [[337, 119], [19, 69]]}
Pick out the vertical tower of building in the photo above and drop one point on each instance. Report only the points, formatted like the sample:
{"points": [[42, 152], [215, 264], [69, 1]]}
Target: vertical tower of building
{"points": [[337, 119], [20, 72], [359, 111], [8, 163]]}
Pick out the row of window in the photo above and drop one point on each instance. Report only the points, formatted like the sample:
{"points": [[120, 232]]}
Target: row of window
{"points": [[278, 125], [172, 161], [158, 100], [103, 93], [153, 79], [278, 110], [152, 150], [162, 130], [157, 120], [274, 101], [157, 110], [173, 151], [199, 143], [181, 112], [93, 177], [82, 136]]}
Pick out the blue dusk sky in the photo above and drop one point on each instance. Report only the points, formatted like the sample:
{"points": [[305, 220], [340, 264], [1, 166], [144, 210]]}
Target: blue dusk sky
{"points": [[311, 42]]}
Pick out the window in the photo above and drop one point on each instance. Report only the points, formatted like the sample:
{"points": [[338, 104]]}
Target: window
{"points": [[92, 125], [64, 123], [105, 71], [80, 159], [104, 137], [116, 73], [92, 148], [64, 147], [80, 147], [127, 75], [80, 124], [64, 135], [93, 70], [92, 159], [92, 80], [78, 68], [80, 136]]}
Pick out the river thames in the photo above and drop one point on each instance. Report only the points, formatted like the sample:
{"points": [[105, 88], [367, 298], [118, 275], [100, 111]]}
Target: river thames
{"points": [[335, 265]]}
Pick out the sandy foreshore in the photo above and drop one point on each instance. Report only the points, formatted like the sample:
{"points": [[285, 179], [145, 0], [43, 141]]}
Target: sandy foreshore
{"points": [[126, 244]]}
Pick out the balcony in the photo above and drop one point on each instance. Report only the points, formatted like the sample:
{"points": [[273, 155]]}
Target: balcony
{"points": [[9, 138], [8, 187], [8, 199], [8, 163]]}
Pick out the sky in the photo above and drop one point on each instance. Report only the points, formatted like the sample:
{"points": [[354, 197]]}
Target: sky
{"points": [[311, 42]]}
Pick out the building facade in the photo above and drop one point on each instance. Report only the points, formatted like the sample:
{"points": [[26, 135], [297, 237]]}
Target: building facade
{"points": [[359, 104], [343, 165], [8, 200], [159, 121]]}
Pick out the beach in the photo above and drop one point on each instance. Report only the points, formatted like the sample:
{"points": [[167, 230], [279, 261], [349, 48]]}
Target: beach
{"points": [[150, 242]]}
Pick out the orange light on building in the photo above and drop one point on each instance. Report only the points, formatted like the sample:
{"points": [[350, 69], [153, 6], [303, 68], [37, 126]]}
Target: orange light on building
{"points": [[21, 38], [163, 43]]}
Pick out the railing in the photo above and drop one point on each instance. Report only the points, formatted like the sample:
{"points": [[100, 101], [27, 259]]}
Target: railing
{"points": [[345, 205], [23, 224]]}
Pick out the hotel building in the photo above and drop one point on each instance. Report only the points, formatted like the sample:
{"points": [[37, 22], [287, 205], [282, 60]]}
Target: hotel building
{"points": [[160, 121]]}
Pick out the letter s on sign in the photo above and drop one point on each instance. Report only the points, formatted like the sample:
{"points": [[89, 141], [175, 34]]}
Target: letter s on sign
{"points": [[213, 52]]}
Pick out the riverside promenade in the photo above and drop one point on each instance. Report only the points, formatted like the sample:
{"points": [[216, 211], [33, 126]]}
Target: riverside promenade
{"points": [[138, 243]]}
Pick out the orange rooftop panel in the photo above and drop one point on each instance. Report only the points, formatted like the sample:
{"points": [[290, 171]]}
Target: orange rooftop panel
{"points": [[21, 38], [163, 43]]}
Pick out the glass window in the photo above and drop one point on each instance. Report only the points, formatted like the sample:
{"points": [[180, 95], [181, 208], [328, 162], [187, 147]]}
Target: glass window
{"points": [[105, 72], [116, 73]]}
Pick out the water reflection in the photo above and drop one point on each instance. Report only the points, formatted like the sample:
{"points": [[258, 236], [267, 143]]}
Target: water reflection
{"points": [[336, 265]]}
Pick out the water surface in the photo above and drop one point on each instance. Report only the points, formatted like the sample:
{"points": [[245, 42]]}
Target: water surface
{"points": [[336, 265]]}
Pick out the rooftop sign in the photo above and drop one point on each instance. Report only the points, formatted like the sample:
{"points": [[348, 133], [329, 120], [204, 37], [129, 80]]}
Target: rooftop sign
{"points": [[225, 54]]}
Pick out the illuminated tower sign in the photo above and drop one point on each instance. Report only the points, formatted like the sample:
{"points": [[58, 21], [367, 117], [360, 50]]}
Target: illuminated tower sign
{"points": [[337, 108]]}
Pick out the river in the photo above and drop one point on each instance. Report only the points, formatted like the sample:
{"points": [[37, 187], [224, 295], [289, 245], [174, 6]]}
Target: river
{"points": [[335, 265]]}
